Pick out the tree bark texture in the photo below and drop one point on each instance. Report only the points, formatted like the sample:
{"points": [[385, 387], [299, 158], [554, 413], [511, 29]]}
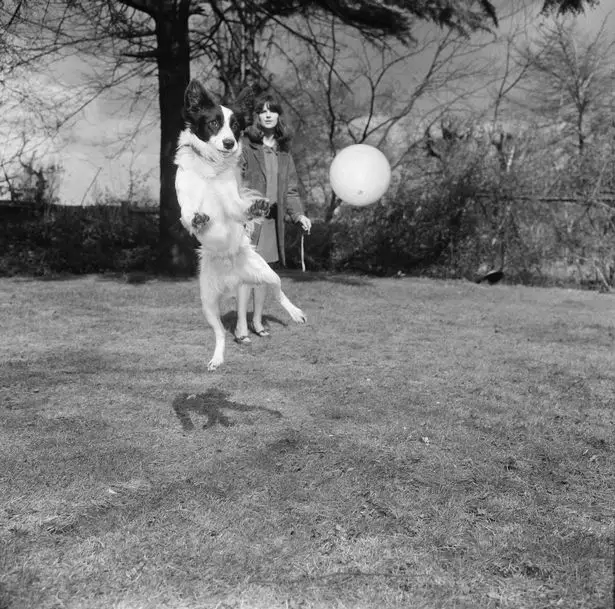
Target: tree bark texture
{"points": [[176, 255]]}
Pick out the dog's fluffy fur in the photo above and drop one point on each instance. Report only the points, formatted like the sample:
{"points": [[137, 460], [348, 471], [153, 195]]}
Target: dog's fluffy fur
{"points": [[217, 211]]}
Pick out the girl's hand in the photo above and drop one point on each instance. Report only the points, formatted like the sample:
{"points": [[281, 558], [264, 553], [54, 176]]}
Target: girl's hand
{"points": [[306, 223]]}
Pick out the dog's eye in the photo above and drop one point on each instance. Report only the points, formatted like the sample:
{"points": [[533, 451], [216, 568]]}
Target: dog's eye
{"points": [[214, 123]]}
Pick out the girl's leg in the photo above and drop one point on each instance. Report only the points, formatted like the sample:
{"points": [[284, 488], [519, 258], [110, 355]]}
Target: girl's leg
{"points": [[260, 294], [243, 295]]}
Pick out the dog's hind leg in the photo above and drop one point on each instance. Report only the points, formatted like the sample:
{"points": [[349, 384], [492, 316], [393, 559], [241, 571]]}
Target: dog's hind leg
{"points": [[256, 271], [295, 313], [211, 309]]}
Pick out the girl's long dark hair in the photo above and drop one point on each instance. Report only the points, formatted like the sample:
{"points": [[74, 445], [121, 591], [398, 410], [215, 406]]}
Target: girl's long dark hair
{"points": [[282, 133]]}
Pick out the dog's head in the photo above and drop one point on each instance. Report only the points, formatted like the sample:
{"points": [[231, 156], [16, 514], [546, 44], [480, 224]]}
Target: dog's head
{"points": [[217, 125]]}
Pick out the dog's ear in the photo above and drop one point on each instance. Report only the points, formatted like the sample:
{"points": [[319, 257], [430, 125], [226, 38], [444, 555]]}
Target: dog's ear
{"points": [[196, 97]]}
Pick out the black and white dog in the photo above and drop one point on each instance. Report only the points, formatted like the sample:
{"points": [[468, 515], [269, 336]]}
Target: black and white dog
{"points": [[217, 210]]}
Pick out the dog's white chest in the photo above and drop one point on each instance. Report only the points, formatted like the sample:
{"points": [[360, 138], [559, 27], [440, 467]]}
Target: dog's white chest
{"points": [[218, 198]]}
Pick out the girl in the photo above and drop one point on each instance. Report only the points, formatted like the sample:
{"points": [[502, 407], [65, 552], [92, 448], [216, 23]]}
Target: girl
{"points": [[268, 167]]}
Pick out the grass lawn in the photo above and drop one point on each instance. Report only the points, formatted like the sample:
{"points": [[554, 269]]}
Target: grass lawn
{"points": [[419, 444]]}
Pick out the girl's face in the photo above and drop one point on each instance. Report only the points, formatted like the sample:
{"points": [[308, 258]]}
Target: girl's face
{"points": [[268, 118]]}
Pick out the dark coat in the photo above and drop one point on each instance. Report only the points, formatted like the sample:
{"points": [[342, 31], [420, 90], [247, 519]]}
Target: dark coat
{"points": [[289, 202]]}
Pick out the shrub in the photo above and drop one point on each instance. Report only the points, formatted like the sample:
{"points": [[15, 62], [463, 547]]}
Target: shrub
{"points": [[318, 246], [428, 228], [78, 240]]}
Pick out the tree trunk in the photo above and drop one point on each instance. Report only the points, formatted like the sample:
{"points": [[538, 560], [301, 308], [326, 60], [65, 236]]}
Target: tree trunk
{"points": [[176, 253]]}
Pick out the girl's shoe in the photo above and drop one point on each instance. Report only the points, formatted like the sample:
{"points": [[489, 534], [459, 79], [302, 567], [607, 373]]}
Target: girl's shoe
{"points": [[262, 333]]}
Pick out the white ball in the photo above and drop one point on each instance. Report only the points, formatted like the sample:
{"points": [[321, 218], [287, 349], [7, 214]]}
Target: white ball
{"points": [[360, 174]]}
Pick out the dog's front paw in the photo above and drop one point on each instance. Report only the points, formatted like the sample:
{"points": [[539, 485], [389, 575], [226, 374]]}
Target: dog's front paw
{"points": [[259, 209], [199, 221]]}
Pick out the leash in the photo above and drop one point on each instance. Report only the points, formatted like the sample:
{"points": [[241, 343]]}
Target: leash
{"points": [[303, 233], [302, 254]]}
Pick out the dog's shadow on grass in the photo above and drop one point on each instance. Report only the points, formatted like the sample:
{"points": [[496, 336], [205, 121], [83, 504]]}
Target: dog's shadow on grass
{"points": [[211, 405], [229, 320]]}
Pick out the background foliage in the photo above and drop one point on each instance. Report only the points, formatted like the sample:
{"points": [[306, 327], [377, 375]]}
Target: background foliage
{"points": [[78, 240], [523, 182]]}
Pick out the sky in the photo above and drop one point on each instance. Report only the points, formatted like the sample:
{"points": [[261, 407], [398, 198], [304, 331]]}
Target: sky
{"points": [[113, 141]]}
